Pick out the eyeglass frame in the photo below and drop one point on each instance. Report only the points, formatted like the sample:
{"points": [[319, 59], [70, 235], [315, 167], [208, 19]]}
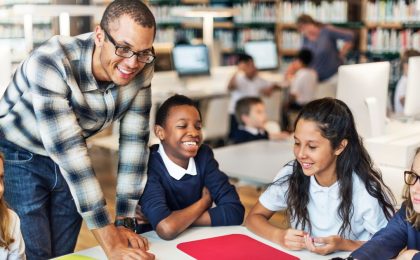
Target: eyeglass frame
{"points": [[417, 177], [138, 54]]}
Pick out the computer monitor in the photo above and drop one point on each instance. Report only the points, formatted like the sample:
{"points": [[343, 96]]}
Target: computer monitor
{"points": [[364, 88], [264, 54], [191, 60], [412, 104]]}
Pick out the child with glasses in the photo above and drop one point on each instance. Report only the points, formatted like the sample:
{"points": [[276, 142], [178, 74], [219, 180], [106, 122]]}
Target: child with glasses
{"points": [[403, 230]]}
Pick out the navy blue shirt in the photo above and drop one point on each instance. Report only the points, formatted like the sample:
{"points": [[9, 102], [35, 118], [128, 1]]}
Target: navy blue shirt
{"points": [[242, 136], [164, 194], [326, 56], [389, 241]]}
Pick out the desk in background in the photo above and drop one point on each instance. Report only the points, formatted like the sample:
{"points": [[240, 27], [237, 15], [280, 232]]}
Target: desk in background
{"points": [[257, 161], [166, 250]]}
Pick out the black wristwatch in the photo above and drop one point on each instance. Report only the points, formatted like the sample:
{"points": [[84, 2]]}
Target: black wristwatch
{"points": [[129, 223]]}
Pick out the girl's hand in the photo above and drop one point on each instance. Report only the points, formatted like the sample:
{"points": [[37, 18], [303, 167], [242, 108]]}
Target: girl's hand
{"points": [[323, 245], [293, 239], [407, 255]]}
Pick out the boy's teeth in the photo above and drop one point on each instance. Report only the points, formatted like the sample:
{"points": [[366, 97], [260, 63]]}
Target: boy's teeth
{"points": [[190, 143]]}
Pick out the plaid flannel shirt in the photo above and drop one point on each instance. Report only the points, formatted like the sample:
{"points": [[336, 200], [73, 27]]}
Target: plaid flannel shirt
{"points": [[54, 103]]}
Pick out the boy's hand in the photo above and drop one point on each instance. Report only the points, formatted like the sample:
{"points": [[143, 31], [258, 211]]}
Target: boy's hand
{"points": [[206, 197], [141, 218]]}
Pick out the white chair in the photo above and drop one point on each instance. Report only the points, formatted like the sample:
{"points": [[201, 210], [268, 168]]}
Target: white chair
{"points": [[215, 118], [6, 69], [273, 105], [327, 88]]}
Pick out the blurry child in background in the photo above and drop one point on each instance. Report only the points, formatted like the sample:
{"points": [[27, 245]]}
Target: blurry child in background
{"points": [[333, 196], [183, 177], [12, 246], [252, 117], [302, 87], [400, 90], [403, 230], [246, 83]]}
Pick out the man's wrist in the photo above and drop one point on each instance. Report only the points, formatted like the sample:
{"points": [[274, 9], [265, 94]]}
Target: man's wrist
{"points": [[130, 223]]}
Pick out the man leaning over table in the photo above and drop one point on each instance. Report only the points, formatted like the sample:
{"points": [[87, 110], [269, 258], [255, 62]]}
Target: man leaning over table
{"points": [[67, 90]]}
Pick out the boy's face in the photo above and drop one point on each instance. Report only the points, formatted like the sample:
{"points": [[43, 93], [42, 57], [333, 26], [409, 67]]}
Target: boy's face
{"points": [[181, 136], [257, 116]]}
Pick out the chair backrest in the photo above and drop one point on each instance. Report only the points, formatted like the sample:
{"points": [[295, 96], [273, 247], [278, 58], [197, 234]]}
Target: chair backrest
{"points": [[6, 69], [216, 118], [273, 105]]}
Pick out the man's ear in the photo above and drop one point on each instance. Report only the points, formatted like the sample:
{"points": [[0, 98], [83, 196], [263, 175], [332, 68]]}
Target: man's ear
{"points": [[99, 36], [341, 147], [159, 132], [244, 119]]}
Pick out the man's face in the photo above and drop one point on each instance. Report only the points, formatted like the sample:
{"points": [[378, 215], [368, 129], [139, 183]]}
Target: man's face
{"points": [[127, 35]]}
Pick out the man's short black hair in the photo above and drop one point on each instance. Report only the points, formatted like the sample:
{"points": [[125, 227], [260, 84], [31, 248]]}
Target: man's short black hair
{"points": [[135, 9], [305, 56], [243, 57]]}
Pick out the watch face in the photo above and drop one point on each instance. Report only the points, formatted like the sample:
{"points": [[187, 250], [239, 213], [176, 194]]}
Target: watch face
{"points": [[129, 223]]}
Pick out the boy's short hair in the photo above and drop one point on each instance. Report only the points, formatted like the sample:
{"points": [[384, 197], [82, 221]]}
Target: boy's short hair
{"points": [[244, 58], [174, 101], [243, 107], [305, 56]]}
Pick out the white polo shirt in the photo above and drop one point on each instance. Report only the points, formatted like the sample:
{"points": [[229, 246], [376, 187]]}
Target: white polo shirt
{"points": [[176, 171], [304, 85], [246, 87], [323, 205]]}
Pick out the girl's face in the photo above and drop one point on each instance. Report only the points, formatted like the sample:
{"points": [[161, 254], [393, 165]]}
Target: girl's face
{"points": [[314, 152], [181, 136], [1, 179], [415, 188]]}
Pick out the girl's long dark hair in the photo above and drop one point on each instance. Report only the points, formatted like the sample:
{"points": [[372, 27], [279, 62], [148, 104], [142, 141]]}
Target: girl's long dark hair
{"points": [[336, 123]]}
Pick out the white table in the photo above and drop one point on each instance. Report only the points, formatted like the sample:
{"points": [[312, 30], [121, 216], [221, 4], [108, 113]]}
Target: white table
{"points": [[257, 161], [167, 249]]}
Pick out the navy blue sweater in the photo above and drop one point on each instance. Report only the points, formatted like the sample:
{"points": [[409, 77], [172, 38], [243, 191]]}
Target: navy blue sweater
{"points": [[390, 240], [242, 136], [163, 194]]}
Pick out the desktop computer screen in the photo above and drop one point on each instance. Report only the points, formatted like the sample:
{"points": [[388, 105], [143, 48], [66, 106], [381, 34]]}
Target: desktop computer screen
{"points": [[412, 104], [264, 54], [191, 60], [364, 88]]}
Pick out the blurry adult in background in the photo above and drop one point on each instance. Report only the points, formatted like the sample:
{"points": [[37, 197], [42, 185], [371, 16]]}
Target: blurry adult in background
{"points": [[400, 90], [321, 40]]}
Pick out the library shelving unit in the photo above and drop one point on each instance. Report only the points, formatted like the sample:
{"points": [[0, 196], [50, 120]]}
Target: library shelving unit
{"points": [[390, 27]]}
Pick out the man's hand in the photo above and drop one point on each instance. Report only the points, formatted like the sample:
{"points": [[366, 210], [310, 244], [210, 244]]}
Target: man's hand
{"points": [[116, 247], [134, 240]]}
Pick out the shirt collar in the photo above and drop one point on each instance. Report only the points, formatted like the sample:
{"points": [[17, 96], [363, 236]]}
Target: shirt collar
{"points": [[174, 170], [252, 130], [316, 188]]}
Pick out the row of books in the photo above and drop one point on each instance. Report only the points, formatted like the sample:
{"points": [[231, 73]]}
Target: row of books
{"points": [[253, 34], [14, 2], [384, 40], [256, 13], [172, 35], [392, 11], [325, 11], [291, 40], [173, 14]]}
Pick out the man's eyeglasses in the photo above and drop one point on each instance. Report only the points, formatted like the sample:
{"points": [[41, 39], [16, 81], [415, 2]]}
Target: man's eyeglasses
{"points": [[410, 177], [146, 56]]}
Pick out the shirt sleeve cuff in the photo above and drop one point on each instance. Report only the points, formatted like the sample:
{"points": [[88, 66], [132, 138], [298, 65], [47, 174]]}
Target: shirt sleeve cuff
{"points": [[126, 207], [97, 218]]}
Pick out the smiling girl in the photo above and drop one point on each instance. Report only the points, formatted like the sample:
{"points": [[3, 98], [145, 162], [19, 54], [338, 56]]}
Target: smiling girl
{"points": [[183, 177], [334, 198]]}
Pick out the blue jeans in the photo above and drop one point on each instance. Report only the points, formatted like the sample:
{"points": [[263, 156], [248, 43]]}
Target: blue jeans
{"points": [[38, 193]]}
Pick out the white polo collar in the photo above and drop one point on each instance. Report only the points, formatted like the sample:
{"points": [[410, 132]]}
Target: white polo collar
{"points": [[176, 171], [331, 190], [252, 130]]}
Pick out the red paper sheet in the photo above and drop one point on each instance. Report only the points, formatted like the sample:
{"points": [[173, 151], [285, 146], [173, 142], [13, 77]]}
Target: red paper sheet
{"points": [[232, 247]]}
